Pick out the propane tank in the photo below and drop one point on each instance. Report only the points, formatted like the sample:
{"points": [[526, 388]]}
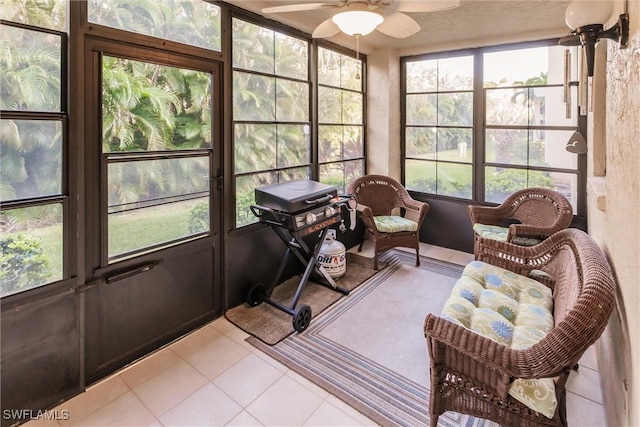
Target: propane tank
{"points": [[332, 255]]}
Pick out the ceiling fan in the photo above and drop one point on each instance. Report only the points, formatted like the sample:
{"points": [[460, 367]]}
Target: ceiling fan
{"points": [[360, 17]]}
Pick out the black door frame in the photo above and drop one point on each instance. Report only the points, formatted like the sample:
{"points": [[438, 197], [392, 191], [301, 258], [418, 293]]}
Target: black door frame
{"points": [[100, 287]]}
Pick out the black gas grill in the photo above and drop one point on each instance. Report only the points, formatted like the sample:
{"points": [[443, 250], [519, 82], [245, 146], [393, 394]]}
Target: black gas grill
{"points": [[302, 206], [297, 209]]}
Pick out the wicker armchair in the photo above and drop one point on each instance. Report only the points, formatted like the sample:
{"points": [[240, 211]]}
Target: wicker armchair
{"points": [[472, 374], [378, 197], [540, 211]]}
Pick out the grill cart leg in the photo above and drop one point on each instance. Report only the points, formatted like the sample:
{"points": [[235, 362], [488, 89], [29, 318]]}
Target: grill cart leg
{"points": [[258, 293]]}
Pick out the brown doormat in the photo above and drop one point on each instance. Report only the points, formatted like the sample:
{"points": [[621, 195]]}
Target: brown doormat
{"points": [[270, 325]]}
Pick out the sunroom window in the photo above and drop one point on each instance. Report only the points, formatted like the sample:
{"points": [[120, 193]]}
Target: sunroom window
{"points": [[340, 118], [192, 22], [483, 142], [271, 111], [33, 139], [526, 124], [439, 126]]}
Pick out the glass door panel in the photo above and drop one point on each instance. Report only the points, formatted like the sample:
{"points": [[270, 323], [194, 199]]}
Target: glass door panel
{"points": [[156, 140], [153, 150]]}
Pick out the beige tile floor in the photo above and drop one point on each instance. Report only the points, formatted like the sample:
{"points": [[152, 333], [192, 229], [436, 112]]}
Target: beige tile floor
{"points": [[212, 377]]}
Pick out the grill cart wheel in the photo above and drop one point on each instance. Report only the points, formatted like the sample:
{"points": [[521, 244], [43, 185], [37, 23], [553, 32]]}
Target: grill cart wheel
{"points": [[302, 318], [257, 294], [296, 210]]}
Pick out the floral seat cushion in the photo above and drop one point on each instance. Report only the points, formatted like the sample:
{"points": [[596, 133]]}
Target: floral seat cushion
{"points": [[509, 309], [496, 232], [493, 232], [394, 224]]}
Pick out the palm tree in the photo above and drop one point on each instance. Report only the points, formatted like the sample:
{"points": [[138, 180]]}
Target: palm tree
{"points": [[40, 13], [527, 96], [254, 147], [31, 150], [149, 107], [189, 22]]}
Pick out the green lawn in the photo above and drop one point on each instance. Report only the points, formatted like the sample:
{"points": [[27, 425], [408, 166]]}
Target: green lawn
{"points": [[128, 232], [51, 242], [146, 227], [453, 178]]}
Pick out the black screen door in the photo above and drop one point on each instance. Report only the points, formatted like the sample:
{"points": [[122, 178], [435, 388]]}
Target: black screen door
{"points": [[153, 156]]}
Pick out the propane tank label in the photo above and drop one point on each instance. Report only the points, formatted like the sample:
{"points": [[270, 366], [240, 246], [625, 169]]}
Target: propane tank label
{"points": [[332, 256], [335, 265]]}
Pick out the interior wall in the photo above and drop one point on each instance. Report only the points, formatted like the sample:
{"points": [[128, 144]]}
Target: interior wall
{"points": [[383, 113], [614, 217]]}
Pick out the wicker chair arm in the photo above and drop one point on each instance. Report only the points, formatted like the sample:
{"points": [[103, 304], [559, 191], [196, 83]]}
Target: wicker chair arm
{"points": [[515, 258], [366, 214], [415, 210], [526, 230], [464, 351], [467, 351], [364, 210], [490, 215]]}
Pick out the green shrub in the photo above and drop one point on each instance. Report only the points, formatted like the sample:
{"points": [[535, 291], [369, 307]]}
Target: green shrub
{"points": [[199, 219], [425, 185], [22, 264], [244, 200], [505, 182], [336, 181]]}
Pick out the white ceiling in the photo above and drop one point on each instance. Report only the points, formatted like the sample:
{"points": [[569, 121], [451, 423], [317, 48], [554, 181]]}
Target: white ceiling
{"points": [[474, 23]]}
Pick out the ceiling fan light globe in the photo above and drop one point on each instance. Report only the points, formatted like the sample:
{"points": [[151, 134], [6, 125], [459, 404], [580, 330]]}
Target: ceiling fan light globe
{"points": [[360, 22], [580, 13]]}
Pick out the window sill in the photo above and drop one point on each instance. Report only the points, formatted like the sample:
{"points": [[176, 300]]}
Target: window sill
{"points": [[598, 186]]}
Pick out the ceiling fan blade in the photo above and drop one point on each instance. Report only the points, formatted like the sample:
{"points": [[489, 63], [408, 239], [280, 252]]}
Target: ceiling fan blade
{"points": [[326, 29], [297, 7], [398, 25], [426, 5]]}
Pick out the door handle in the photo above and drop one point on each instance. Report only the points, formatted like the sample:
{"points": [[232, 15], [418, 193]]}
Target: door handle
{"points": [[132, 272]]}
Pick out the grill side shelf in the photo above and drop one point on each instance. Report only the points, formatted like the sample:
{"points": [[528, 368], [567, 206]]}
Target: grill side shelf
{"points": [[267, 215]]}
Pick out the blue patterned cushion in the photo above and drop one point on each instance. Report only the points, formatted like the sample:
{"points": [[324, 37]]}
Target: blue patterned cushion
{"points": [[394, 224], [509, 309]]}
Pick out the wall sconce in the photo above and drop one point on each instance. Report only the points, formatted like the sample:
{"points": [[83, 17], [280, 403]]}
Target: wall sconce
{"points": [[576, 144], [586, 20]]}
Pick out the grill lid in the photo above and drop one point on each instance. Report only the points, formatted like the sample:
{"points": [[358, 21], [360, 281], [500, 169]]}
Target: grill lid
{"points": [[295, 196]]}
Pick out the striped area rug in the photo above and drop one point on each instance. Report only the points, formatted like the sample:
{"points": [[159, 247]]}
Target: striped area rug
{"points": [[369, 349]]}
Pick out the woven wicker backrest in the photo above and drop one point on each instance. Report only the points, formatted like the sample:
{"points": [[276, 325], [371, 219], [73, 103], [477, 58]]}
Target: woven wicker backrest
{"points": [[568, 280], [381, 193], [537, 206], [584, 291]]}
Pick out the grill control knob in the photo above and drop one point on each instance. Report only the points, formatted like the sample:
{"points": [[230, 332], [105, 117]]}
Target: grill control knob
{"points": [[329, 211], [310, 218]]}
